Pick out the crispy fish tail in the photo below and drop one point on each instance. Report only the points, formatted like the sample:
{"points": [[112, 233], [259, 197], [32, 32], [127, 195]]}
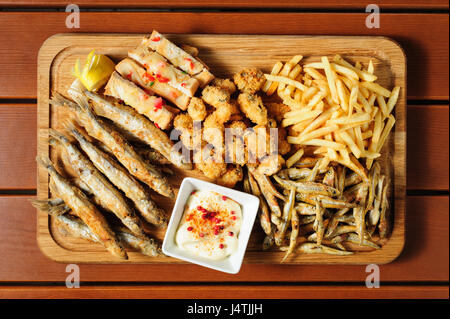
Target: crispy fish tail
{"points": [[83, 208], [120, 177], [77, 228]]}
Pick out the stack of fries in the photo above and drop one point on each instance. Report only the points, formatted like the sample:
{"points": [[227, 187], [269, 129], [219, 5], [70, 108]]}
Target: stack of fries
{"points": [[339, 119], [335, 106]]}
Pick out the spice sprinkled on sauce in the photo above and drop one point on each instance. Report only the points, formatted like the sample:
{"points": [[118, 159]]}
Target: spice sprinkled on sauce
{"points": [[210, 225]]}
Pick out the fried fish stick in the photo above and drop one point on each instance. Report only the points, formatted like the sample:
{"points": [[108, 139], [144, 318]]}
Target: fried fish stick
{"points": [[83, 208], [136, 73], [131, 121], [179, 57], [121, 149], [151, 106], [120, 177], [165, 72], [107, 194]]}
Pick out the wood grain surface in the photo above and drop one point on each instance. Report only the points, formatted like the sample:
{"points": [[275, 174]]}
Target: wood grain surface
{"points": [[427, 166], [424, 38], [59, 53], [424, 258], [270, 4], [228, 292]]}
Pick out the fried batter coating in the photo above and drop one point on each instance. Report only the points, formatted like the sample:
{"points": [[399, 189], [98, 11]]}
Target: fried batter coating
{"points": [[270, 165], [214, 95], [197, 109], [219, 99], [249, 80], [183, 123], [213, 132], [209, 162], [253, 108], [236, 114], [235, 151], [232, 176], [225, 84], [283, 146], [277, 110]]}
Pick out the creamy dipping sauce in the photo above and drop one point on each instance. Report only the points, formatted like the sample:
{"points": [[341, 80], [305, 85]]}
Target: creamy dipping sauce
{"points": [[210, 225]]}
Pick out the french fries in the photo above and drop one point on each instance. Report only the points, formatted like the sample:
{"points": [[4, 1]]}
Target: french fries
{"points": [[341, 109]]}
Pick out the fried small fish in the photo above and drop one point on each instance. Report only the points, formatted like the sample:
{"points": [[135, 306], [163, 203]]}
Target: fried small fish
{"points": [[77, 228], [313, 248], [118, 145], [130, 120], [308, 187], [83, 208], [120, 177], [109, 197]]}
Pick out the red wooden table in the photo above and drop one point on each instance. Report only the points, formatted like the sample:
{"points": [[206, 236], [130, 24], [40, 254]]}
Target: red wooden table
{"points": [[421, 27]]}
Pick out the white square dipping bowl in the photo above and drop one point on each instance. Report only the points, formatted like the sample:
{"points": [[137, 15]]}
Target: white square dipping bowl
{"points": [[231, 264]]}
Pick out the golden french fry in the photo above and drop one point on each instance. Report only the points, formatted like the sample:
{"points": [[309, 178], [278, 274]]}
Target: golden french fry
{"points": [[285, 80], [345, 71], [321, 119], [382, 104], [319, 142], [315, 99], [342, 94], [376, 88], [364, 102], [386, 130], [392, 99], [313, 73], [299, 118], [366, 76], [317, 133], [275, 70], [295, 158], [347, 139], [370, 68], [367, 134], [331, 78], [355, 118], [352, 100]]}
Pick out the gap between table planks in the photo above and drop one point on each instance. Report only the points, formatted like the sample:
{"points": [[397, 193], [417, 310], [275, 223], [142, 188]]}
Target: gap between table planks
{"points": [[228, 292], [425, 257], [230, 4], [427, 149], [424, 37], [59, 53]]}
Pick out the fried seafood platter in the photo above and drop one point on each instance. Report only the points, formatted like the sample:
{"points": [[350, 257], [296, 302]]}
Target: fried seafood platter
{"points": [[116, 139]]}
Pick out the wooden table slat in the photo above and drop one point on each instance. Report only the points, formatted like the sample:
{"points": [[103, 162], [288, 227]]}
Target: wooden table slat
{"points": [[228, 292], [18, 126], [424, 258], [427, 165], [424, 38], [289, 4]]}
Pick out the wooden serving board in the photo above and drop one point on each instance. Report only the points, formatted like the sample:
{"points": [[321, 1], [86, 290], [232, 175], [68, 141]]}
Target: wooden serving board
{"points": [[224, 54]]}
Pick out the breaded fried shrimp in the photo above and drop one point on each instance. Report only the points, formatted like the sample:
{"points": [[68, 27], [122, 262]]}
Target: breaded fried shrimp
{"points": [[253, 108], [197, 109], [225, 84], [249, 80]]}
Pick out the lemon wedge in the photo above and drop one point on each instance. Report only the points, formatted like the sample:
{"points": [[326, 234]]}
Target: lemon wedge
{"points": [[96, 71]]}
